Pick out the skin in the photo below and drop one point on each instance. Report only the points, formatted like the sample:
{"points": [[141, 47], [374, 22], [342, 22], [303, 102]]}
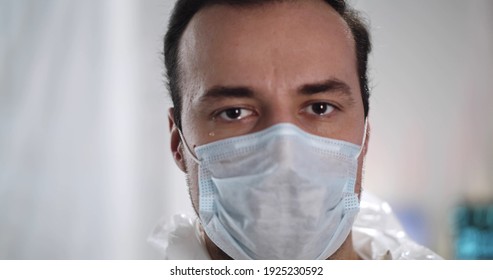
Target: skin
{"points": [[246, 69]]}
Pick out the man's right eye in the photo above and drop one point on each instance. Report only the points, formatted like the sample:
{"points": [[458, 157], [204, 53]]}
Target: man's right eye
{"points": [[235, 114]]}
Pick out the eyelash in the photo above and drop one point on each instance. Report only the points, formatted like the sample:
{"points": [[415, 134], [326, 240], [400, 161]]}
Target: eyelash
{"points": [[312, 103], [217, 114]]}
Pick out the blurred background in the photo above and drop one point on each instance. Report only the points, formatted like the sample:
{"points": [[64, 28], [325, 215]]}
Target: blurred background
{"points": [[85, 167]]}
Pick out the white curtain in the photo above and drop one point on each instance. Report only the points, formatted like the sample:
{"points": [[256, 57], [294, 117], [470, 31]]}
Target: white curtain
{"points": [[85, 168]]}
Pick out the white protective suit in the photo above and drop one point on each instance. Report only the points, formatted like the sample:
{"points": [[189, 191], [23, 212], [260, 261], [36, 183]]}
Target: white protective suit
{"points": [[377, 235]]}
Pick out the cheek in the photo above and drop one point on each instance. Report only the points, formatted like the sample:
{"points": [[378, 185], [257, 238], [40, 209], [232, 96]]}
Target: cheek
{"points": [[360, 175], [192, 182]]}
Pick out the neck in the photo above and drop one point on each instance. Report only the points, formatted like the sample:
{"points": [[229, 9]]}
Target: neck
{"points": [[214, 251], [346, 251]]}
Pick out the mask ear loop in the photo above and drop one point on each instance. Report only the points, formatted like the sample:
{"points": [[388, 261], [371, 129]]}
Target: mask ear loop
{"points": [[364, 138], [360, 151], [188, 147]]}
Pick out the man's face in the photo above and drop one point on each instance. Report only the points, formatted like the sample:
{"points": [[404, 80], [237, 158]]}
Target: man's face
{"points": [[246, 69]]}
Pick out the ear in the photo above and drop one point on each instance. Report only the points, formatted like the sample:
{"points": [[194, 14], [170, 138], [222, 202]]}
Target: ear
{"points": [[176, 143]]}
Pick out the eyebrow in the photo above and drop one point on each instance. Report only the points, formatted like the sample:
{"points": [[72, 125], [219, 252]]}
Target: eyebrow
{"points": [[231, 92], [327, 86]]}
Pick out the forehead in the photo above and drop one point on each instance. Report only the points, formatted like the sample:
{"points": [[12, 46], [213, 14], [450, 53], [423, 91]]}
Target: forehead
{"points": [[279, 41]]}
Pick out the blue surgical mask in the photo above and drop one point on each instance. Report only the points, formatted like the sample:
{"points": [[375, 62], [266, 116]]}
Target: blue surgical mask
{"points": [[280, 193]]}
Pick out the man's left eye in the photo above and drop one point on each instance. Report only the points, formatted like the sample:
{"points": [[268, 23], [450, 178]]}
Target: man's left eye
{"points": [[319, 108]]}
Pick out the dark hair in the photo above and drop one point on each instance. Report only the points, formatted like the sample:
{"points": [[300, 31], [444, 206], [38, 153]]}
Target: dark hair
{"points": [[185, 10]]}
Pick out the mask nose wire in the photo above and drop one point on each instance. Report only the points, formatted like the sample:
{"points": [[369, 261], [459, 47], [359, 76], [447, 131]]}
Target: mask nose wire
{"points": [[194, 157]]}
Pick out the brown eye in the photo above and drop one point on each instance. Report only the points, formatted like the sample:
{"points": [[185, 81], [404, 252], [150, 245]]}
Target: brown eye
{"points": [[233, 114], [319, 108]]}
